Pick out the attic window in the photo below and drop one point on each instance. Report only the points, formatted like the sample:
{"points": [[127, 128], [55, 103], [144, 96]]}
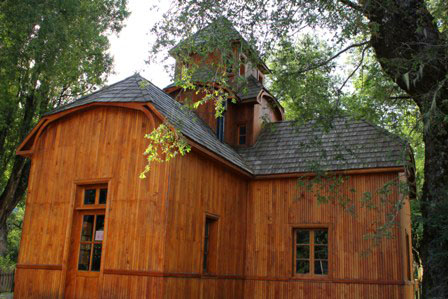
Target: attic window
{"points": [[242, 134]]}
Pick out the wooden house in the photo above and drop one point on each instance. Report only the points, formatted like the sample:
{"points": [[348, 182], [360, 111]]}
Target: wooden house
{"points": [[227, 220]]}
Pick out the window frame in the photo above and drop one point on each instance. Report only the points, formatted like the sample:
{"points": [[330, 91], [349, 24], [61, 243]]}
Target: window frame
{"points": [[211, 262], [95, 209], [96, 205], [92, 242], [239, 126], [311, 275], [409, 265]]}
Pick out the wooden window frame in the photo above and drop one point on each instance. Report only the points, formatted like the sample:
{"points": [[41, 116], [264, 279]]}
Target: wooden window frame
{"points": [[212, 254], [91, 209], [92, 242], [239, 134], [408, 257], [81, 206], [311, 275]]}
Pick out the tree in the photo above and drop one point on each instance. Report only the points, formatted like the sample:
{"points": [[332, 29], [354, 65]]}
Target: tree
{"points": [[409, 41], [50, 52]]}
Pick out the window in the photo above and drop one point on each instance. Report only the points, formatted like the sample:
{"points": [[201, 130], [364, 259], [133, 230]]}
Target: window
{"points": [[210, 245], [242, 134], [311, 251], [92, 218], [90, 246], [95, 196], [220, 127], [408, 257]]}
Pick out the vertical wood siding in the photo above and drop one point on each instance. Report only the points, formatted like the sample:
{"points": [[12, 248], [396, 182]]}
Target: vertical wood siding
{"points": [[155, 227]]}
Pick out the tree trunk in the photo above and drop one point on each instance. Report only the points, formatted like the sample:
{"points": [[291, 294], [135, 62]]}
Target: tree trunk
{"points": [[11, 195], [18, 179], [410, 50], [3, 239], [434, 249]]}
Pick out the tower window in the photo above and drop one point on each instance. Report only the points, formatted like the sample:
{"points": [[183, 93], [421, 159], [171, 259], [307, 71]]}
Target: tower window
{"points": [[242, 134], [220, 122]]}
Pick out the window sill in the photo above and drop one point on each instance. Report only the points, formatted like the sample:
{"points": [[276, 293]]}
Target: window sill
{"points": [[310, 277]]}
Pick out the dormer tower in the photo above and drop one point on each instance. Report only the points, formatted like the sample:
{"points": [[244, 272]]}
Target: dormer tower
{"points": [[252, 104]]}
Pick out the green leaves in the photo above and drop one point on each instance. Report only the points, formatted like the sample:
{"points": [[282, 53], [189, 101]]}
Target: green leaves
{"points": [[165, 143], [50, 53], [306, 88]]}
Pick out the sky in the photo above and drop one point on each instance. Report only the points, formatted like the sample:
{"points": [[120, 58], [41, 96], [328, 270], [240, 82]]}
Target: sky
{"points": [[131, 47]]}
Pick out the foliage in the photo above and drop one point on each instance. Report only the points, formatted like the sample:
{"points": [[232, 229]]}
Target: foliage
{"points": [[305, 95], [14, 228], [51, 52], [165, 143]]}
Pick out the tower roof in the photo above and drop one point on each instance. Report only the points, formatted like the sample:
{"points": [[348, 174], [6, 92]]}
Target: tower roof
{"points": [[218, 32]]}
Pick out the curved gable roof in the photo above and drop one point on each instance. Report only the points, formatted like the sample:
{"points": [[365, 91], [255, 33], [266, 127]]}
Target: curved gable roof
{"points": [[281, 148]]}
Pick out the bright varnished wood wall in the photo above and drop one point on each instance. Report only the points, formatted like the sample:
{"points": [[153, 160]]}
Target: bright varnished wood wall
{"points": [[154, 227], [276, 206]]}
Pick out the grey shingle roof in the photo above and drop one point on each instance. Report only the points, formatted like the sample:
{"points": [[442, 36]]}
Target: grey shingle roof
{"points": [[221, 30], [138, 89], [283, 147], [251, 90]]}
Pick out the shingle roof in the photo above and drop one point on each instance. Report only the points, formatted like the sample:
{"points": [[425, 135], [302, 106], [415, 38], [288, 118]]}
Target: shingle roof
{"points": [[283, 147], [251, 90], [138, 89], [220, 29]]}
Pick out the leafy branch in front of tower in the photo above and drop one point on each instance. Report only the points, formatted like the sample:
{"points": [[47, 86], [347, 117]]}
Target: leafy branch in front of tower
{"points": [[165, 143]]}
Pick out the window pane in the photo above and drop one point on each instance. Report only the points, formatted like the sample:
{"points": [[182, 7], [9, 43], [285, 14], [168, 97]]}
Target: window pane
{"points": [[103, 196], [303, 237], [89, 196], [87, 227], [303, 252], [321, 267], [302, 267], [96, 258], [243, 130], [99, 230], [321, 252], [242, 140], [84, 257], [321, 236]]}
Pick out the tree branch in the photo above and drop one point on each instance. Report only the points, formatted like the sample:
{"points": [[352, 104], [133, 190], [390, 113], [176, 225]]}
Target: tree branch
{"points": [[320, 64], [355, 70]]}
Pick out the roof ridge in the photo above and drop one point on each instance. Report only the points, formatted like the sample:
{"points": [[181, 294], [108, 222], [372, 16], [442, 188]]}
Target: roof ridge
{"points": [[102, 89]]}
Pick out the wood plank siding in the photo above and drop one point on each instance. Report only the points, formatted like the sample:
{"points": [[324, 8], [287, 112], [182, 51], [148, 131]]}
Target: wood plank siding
{"points": [[154, 228]]}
